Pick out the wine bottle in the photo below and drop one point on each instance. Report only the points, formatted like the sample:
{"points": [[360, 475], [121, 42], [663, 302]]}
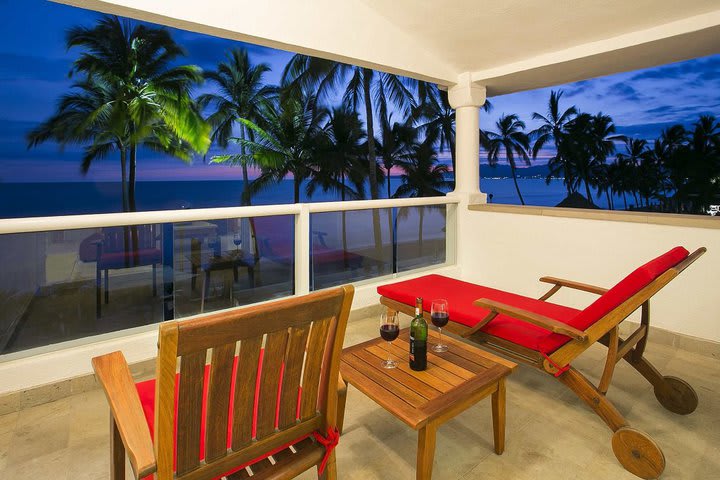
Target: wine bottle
{"points": [[418, 338]]}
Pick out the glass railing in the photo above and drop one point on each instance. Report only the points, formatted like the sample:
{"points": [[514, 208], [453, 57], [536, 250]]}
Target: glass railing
{"points": [[62, 282]]}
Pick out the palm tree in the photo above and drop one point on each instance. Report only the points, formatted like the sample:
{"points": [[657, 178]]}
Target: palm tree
{"points": [[511, 138], [552, 128], [362, 86], [290, 143], [241, 94], [585, 146], [436, 119], [636, 149], [340, 167], [423, 177], [394, 145], [130, 96]]}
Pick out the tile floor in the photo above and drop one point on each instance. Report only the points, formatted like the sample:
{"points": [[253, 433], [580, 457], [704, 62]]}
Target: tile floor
{"points": [[550, 433]]}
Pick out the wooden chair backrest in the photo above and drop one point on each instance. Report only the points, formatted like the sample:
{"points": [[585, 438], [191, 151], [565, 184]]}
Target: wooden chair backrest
{"points": [[282, 348], [597, 330]]}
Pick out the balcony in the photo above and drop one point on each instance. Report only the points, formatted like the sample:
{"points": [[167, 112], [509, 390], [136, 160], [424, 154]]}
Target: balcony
{"points": [[60, 306]]}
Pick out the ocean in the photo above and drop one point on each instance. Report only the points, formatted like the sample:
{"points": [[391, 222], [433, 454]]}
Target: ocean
{"points": [[49, 199]]}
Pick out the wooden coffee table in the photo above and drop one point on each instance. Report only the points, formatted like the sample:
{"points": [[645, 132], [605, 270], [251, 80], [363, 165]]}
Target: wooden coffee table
{"points": [[454, 380]]}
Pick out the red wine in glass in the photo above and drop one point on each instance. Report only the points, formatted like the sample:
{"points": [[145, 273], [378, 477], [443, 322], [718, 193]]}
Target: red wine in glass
{"points": [[389, 330], [439, 315], [440, 319]]}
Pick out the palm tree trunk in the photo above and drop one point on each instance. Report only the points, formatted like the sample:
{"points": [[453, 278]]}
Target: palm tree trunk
{"points": [[131, 179], [609, 200], [245, 197], [296, 188], [372, 164], [517, 187], [625, 199], [123, 181], [388, 182], [344, 225], [133, 206]]}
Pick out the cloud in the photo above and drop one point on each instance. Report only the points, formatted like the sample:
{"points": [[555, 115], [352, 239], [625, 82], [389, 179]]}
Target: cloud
{"points": [[577, 88], [624, 90], [705, 66]]}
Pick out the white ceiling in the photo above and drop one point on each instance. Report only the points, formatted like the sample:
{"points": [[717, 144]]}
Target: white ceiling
{"points": [[506, 45], [473, 35]]}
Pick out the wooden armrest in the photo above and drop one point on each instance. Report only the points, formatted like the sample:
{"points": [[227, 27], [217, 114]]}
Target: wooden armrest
{"points": [[531, 317], [114, 376], [575, 285]]}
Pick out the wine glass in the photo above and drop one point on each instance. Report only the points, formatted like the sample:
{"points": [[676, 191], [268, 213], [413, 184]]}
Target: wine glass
{"points": [[237, 240], [439, 315], [389, 330]]}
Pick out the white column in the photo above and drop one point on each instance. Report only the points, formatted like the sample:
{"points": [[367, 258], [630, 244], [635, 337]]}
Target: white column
{"points": [[466, 98]]}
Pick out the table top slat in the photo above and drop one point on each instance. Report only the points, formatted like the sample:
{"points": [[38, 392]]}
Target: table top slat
{"points": [[399, 374], [378, 375], [396, 406], [434, 369], [431, 376]]}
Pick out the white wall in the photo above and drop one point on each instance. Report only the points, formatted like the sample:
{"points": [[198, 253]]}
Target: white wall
{"points": [[511, 251]]}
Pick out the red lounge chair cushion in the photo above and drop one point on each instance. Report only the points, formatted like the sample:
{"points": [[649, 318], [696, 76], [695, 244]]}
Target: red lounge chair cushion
{"points": [[461, 295], [146, 392], [629, 286]]}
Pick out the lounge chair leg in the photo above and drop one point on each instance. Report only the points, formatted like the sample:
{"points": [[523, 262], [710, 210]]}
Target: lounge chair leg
{"points": [[673, 393], [330, 472], [635, 450], [582, 387], [498, 417]]}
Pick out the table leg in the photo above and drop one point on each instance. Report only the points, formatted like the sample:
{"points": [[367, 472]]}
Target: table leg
{"points": [[425, 452], [498, 416]]}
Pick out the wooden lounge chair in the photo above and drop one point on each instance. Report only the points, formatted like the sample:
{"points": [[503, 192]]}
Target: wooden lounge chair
{"points": [[212, 420], [550, 336]]}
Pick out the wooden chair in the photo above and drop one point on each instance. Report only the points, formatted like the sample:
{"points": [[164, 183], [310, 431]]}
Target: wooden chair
{"points": [[124, 247], [270, 384], [550, 337]]}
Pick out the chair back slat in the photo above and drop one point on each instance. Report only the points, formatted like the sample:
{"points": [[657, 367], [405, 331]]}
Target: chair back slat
{"points": [[297, 341], [313, 361], [245, 379], [234, 325], [218, 403], [273, 358], [192, 373], [239, 400]]}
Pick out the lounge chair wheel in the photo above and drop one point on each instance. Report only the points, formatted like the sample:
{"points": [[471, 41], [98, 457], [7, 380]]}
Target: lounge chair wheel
{"points": [[638, 453], [677, 396]]}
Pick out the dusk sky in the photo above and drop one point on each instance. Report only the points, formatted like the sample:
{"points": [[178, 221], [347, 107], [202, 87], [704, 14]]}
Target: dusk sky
{"points": [[34, 66]]}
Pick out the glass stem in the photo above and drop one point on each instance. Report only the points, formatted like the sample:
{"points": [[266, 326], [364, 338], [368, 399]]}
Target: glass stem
{"points": [[440, 336]]}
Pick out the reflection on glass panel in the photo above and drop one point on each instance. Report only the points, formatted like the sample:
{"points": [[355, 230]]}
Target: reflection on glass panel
{"points": [[225, 263], [421, 236], [344, 247], [65, 285]]}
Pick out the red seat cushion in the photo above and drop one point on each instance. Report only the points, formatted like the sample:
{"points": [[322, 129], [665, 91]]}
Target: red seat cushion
{"points": [[461, 295], [146, 392]]}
